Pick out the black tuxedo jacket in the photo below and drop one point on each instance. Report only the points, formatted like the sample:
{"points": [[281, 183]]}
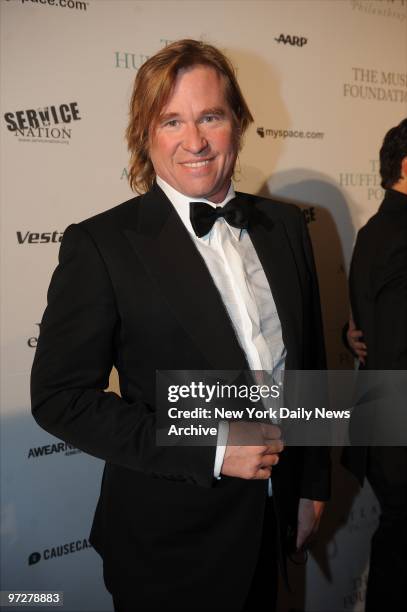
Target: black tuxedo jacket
{"points": [[131, 290], [378, 293]]}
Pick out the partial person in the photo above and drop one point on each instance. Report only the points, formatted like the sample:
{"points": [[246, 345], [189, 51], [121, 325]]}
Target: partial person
{"points": [[377, 334], [190, 275]]}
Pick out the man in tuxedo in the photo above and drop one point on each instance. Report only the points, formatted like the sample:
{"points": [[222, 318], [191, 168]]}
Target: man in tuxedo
{"points": [[188, 276], [377, 334]]}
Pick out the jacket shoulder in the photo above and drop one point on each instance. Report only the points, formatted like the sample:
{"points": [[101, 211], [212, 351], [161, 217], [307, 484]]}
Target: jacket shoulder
{"points": [[275, 209], [384, 228], [123, 214]]}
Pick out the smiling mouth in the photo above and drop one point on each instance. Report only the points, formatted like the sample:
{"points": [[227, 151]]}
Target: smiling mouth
{"points": [[197, 164]]}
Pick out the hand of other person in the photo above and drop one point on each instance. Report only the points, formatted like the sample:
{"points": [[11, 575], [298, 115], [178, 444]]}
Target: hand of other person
{"points": [[353, 337], [309, 516], [252, 450]]}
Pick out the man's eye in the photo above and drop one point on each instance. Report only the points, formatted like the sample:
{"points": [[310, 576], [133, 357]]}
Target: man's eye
{"points": [[171, 123], [210, 118]]}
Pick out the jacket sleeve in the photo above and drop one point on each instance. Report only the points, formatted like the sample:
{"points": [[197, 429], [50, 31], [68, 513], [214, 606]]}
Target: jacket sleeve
{"points": [[73, 360], [390, 311], [316, 476]]}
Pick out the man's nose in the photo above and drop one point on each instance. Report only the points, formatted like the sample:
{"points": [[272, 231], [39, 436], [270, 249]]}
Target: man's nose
{"points": [[194, 140]]}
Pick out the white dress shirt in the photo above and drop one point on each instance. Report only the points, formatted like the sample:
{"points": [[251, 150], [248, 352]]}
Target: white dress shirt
{"points": [[235, 268]]}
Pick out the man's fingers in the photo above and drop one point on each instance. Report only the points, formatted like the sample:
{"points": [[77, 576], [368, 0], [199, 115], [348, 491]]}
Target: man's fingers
{"points": [[357, 346], [265, 468], [273, 446], [263, 474], [269, 460], [356, 333], [361, 345], [305, 537], [309, 516]]}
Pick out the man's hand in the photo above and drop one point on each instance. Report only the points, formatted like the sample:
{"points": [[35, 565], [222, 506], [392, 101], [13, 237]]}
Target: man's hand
{"points": [[353, 337], [255, 461], [309, 516]]}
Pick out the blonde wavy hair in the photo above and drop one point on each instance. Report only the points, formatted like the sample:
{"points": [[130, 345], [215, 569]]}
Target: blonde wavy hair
{"points": [[152, 89]]}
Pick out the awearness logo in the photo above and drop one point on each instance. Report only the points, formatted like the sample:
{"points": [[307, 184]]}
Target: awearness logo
{"points": [[51, 449], [47, 124]]}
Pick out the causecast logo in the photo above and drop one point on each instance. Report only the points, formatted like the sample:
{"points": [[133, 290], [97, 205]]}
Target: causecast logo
{"points": [[59, 550], [52, 123]]}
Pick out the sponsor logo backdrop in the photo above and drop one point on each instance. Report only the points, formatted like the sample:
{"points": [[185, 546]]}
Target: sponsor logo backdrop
{"points": [[321, 108]]}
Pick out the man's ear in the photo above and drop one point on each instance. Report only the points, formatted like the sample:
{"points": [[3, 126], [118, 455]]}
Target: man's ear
{"points": [[404, 168]]}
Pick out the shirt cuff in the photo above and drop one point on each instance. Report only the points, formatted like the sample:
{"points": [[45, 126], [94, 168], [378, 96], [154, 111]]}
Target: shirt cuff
{"points": [[223, 433]]}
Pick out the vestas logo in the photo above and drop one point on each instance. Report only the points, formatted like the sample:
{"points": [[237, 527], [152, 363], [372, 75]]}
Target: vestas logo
{"points": [[38, 237], [294, 41]]}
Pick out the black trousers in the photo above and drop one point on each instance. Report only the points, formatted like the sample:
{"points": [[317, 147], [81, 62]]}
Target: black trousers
{"points": [[263, 590], [387, 582]]}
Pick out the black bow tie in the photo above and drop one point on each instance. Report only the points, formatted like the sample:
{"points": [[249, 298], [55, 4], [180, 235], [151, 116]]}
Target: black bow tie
{"points": [[236, 213]]}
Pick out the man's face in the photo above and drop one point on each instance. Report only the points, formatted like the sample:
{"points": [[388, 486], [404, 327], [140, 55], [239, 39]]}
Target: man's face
{"points": [[193, 147]]}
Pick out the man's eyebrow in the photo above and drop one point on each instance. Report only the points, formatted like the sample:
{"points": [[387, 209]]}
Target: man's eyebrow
{"points": [[167, 117], [216, 110]]}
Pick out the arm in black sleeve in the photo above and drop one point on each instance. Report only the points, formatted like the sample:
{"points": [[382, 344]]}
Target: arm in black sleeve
{"points": [[390, 307], [316, 480], [71, 368]]}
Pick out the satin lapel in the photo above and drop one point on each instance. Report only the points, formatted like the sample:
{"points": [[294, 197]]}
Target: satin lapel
{"points": [[273, 247], [168, 253]]}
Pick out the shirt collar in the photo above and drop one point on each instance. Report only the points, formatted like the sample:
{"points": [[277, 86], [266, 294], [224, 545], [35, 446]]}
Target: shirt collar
{"points": [[181, 204]]}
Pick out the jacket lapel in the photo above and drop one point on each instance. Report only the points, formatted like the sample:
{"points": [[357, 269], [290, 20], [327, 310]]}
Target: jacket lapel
{"points": [[167, 251], [273, 246]]}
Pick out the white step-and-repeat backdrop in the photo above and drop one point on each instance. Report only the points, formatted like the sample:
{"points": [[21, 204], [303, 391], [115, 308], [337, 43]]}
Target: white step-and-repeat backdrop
{"points": [[325, 79]]}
